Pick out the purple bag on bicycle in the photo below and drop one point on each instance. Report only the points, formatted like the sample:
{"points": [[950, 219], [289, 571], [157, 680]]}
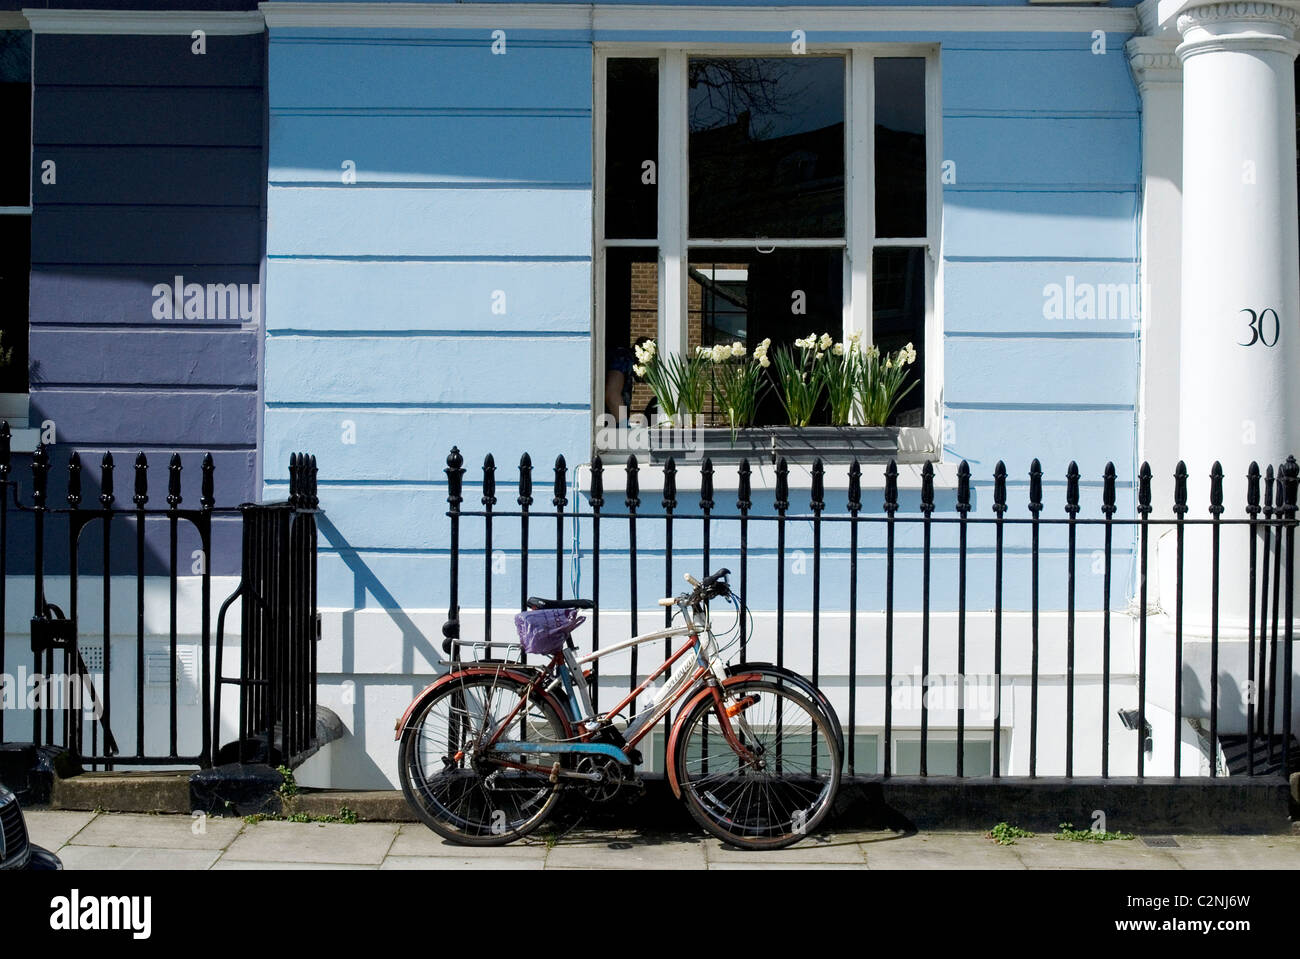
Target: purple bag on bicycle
{"points": [[544, 630]]}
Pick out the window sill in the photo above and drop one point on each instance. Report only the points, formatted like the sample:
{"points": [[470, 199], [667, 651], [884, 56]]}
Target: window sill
{"points": [[910, 447]]}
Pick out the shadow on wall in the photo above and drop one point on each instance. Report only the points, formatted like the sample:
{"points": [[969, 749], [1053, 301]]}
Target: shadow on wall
{"points": [[358, 765]]}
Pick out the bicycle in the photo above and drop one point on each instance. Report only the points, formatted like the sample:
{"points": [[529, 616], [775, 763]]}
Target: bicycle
{"points": [[486, 751]]}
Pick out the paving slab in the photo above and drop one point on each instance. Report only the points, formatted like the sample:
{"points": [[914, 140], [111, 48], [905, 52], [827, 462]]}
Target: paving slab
{"points": [[738, 866], [472, 862], [133, 857], [414, 839], [145, 831], [631, 853], [227, 865], [822, 848], [361, 843], [1236, 852], [52, 828], [949, 851], [1047, 853]]}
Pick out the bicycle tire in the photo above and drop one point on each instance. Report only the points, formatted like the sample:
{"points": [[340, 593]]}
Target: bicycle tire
{"points": [[783, 676], [773, 804], [474, 801]]}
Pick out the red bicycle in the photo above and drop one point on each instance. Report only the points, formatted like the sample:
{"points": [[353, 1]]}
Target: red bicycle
{"points": [[487, 750]]}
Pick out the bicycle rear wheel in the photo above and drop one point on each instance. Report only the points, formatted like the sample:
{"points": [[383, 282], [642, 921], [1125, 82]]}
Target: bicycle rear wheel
{"points": [[465, 792], [774, 789]]}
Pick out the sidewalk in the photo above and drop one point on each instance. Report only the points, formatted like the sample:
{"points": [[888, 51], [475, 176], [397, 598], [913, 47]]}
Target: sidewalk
{"points": [[87, 840]]}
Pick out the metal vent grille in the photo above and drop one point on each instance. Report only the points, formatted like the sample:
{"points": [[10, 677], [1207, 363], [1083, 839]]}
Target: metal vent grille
{"points": [[1160, 841]]}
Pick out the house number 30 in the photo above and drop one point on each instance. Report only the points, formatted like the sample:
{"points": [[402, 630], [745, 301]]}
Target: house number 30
{"points": [[1265, 327]]}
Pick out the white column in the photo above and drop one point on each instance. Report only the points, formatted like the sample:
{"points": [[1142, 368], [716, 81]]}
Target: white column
{"points": [[1159, 76], [1241, 269]]}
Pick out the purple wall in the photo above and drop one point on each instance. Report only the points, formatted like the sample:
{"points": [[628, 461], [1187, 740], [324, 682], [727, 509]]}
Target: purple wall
{"points": [[159, 174]]}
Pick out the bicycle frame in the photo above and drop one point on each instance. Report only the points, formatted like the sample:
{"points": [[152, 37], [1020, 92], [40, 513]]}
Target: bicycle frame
{"points": [[565, 670]]}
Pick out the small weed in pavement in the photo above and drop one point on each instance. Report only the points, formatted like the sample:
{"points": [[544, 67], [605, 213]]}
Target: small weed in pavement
{"points": [[1006, 835], [1089, 835], [345, 816]]}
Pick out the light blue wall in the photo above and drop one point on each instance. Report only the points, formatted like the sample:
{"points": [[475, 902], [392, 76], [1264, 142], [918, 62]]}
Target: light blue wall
{"points": [[474, 175]]}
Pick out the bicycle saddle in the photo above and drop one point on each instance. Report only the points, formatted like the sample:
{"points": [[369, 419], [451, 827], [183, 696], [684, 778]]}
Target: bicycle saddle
{"points": [[536, 602]]}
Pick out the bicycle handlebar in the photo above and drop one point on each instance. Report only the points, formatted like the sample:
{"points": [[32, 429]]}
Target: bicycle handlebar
{"points": [[706, 589]]}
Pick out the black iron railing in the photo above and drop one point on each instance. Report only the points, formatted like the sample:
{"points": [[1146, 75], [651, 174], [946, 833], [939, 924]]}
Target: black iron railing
{"points": [[1267, 571], [69, 700], [280, 627]]}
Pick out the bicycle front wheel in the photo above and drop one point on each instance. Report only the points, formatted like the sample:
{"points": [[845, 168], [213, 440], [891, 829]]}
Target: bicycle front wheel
{"points": [[466, 791], [775, 782]]}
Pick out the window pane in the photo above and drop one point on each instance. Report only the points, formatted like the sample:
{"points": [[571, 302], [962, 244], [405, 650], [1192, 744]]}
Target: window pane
{"points": [[900, 147], [766, 147], [15, 241], [941, 758], [898, 318], [16, 112], [631, 313], [740, 294], [631, 141]]}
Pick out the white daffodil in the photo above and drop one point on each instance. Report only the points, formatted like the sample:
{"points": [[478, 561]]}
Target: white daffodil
{"points": [[819, 355], [838, 349], [764, 362], [825, 342], [737, 348], [639, 370], [889, 364]]}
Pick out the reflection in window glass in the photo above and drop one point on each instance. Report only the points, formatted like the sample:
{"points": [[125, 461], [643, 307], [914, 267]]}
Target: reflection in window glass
{"points": [[16, 109], [740, 294], [15, 191], [900, 147], [766, 146], [941, 758], [631, 148], [631, 314], [898, 318], [15, 240]]}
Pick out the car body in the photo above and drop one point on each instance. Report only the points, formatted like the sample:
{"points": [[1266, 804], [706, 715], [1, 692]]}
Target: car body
{"points": [[16, 849]]}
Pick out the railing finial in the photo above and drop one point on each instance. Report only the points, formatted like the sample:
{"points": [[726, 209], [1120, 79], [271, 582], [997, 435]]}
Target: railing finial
{"points": [[74, 479], [525, 497], [1144, 489], [597, 493], [207, 486], [106, 496], [174, 481], [744, 495], [489, 481], [560, 493], [455, 475]]}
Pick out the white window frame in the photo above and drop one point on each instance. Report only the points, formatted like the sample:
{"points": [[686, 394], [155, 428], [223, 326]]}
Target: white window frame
{"points": [[859, 244]]}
